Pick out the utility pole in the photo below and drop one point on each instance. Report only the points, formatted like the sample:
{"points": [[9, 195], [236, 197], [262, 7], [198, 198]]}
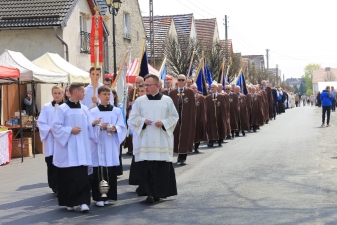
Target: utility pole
{"points": [[226, 66], [226, 41], [267, 56], [152, 35]]}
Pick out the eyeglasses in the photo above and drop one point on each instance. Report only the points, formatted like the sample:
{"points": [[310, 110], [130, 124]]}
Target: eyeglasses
{"points": [[148, 85], [181, 79]]}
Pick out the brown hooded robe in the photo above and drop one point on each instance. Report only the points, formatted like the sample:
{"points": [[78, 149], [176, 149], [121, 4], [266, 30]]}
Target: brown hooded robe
{"points": [[216, 117], [201, 120], [185, 128]]}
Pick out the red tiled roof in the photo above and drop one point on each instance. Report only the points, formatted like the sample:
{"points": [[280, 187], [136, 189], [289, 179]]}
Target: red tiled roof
{"points": [[161, 26], [205, 32]]}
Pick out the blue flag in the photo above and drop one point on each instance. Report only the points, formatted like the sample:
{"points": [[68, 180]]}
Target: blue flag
{"points": [[208, 76], [242, 83], [163, 74], [144, 69], [201, 83]]}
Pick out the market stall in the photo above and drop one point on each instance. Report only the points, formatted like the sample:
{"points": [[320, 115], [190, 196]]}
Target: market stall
{"points": [[54, 62], [33, 74], [8, 75]]}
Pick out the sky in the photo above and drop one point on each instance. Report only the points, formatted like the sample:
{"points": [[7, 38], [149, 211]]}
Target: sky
{"points": [[296, 32]]}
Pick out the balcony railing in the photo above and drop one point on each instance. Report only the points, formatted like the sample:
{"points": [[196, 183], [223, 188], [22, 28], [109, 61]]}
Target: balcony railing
{"points": [[85, 42]]}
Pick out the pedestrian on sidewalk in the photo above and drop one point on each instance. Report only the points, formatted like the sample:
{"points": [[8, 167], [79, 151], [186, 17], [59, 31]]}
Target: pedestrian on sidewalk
{"points": [[326, 99]]}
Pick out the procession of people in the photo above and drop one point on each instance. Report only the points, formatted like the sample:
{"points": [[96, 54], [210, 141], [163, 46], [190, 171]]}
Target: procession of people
{"points": [[85, 128]]}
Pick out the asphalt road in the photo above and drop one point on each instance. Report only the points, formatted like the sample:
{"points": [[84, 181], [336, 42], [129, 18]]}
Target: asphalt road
{"points": [[283, 174]]}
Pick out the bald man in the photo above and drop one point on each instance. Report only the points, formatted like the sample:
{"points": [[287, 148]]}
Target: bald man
{"points": [[184, 101]]}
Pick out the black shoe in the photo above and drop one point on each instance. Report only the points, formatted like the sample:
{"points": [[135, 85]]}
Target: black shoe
{"points": [[150, 199], [267, 121], [156, 199], [254, 130], [237, 134], [243, 133], [228, 137], [196, 151]]}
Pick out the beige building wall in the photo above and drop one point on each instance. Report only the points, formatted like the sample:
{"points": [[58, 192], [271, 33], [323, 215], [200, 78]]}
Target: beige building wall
{"points": [[193, 34], [216, 38], [32, 43], [137, 33], [71, 35]]}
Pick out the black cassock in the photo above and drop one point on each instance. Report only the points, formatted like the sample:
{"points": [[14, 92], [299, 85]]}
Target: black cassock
{"points": [[155, 178]]}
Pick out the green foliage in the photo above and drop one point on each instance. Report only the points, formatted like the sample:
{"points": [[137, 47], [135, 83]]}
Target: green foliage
{"points": [[307, 77]]}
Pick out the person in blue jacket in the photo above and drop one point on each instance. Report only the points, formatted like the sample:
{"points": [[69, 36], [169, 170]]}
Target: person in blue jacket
{"points": [[326, 99]]}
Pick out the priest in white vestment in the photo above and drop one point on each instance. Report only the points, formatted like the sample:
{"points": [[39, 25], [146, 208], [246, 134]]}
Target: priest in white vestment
{"points": [[153, 118]]}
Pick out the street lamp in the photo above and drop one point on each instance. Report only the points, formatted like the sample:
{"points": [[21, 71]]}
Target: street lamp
{"points": [[114, 6]]}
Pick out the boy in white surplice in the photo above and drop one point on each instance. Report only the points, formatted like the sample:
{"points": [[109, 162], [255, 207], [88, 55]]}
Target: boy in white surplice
{"points": [[105, 149], [72, 127], [45, 129]]}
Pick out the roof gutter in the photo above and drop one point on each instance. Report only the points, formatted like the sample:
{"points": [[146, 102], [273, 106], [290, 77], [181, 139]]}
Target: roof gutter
{"points": [[63, 42]]}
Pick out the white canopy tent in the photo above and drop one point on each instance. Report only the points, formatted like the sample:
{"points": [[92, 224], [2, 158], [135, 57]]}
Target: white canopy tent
{"points": [[29, 71], [56, 63]]}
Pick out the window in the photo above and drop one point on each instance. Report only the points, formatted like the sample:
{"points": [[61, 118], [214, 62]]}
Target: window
{"points": [[127, 26], [85, 36]]}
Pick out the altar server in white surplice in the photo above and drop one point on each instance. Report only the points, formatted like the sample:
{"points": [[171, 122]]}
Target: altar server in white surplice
{"points": [[89, 99], [45, 123], [72, 125], [105, 150], [153, 118]]}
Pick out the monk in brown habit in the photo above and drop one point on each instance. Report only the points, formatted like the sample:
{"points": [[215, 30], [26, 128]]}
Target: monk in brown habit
{"points": [[256, 109], [270, 99], [234, 113], [201, 121], [216, 116], [264, 104], [243, 121], [184, 101], [132, 95]]}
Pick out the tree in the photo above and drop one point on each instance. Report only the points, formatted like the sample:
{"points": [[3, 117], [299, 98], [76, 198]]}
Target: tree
{"points": [[303, 88], [256, 76], [235, 66], [179, 54], [214, 59], [307, 77]]}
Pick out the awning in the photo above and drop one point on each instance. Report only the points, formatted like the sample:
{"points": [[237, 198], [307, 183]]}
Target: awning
{"points": [[54, 62], [133, 66], [28, 70], [9, 73]]}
